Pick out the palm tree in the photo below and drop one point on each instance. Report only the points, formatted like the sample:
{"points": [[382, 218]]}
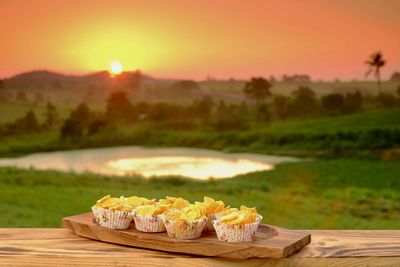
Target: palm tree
{"points": [[375, 63]]}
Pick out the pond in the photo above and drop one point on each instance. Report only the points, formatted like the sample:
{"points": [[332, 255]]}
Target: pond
{"points": [[133, 160]]}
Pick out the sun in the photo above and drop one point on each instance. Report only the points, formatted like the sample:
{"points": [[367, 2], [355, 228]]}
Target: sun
{"points": [[116, 68]]}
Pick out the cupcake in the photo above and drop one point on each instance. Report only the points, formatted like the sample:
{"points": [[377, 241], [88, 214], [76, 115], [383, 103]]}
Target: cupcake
{"points": [[235, 225], [211, 207], [187, 223], [112, 212], [148, 218]]}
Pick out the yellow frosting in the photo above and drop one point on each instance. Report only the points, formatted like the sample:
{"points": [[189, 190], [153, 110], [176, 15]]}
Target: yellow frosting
{"points": [[243, 216], [211, 206], [139, 201], [190, 213], [113, 203], [227, 211], [176, 202], [167, 200], [153, 209], [180, 203], [173, 214], [252, 210]]}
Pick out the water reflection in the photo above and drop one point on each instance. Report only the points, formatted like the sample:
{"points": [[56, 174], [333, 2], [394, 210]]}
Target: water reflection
{"points": [[130, 160], [199, 168]]}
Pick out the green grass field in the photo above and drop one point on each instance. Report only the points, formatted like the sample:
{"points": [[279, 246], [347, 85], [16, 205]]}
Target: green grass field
{"points": [[350, 135], [9, 112], [335, 194], [325, 194], [384, 119]]}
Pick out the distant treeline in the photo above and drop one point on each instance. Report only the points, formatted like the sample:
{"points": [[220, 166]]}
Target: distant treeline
{"points": [[262, 107], [217, 124], [206, 114]]}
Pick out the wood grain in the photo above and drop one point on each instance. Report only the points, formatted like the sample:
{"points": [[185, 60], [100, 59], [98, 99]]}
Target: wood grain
{"points": [[269, 242], [60, 247]]}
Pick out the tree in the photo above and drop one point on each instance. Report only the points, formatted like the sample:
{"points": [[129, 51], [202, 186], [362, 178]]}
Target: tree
{"points": [[263, 114], [244, 109], [375, 63], [386, 100], [71, 129], [304, 102], [353, 102], [333, 103], [167, 112], [203, 107], [51, 115], [96, 125], [272, 79], [221, 108], [258, 89], [228, 118], [81, 113], [296, 78], [398, 91], [280, 103], [29, 122], [77, 124], [119, 108], [395, 77]]}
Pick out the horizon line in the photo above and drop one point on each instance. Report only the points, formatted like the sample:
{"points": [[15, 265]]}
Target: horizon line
{"points": [[208, 77]]}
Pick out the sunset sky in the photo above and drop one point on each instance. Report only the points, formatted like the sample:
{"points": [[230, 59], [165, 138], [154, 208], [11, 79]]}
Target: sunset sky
{"points": [[327, 39]]}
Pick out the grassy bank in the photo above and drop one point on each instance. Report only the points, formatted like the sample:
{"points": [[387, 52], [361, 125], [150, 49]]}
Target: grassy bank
{"points": [[360, 135], [334, 194]]}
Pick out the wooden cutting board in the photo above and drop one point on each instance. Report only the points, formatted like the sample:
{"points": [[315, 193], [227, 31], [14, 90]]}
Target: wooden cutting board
{"points": [[269, 242]]}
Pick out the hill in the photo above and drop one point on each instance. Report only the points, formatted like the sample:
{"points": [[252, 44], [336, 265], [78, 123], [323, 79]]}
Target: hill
{"points": [[70, 90], [94, 88]]}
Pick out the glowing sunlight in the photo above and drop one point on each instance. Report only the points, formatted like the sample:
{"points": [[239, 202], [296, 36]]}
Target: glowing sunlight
{"points": [[116, 68]]}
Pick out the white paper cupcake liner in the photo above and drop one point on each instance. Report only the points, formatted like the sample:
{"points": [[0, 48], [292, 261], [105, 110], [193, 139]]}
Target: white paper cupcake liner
{"points": [[217, 216], [113, 219], [180, 229], [209, 226], [236, 233], [149, 223]]}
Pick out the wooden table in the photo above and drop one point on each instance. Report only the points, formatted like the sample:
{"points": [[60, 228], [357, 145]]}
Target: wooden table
{"points": [[59, 247]]}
